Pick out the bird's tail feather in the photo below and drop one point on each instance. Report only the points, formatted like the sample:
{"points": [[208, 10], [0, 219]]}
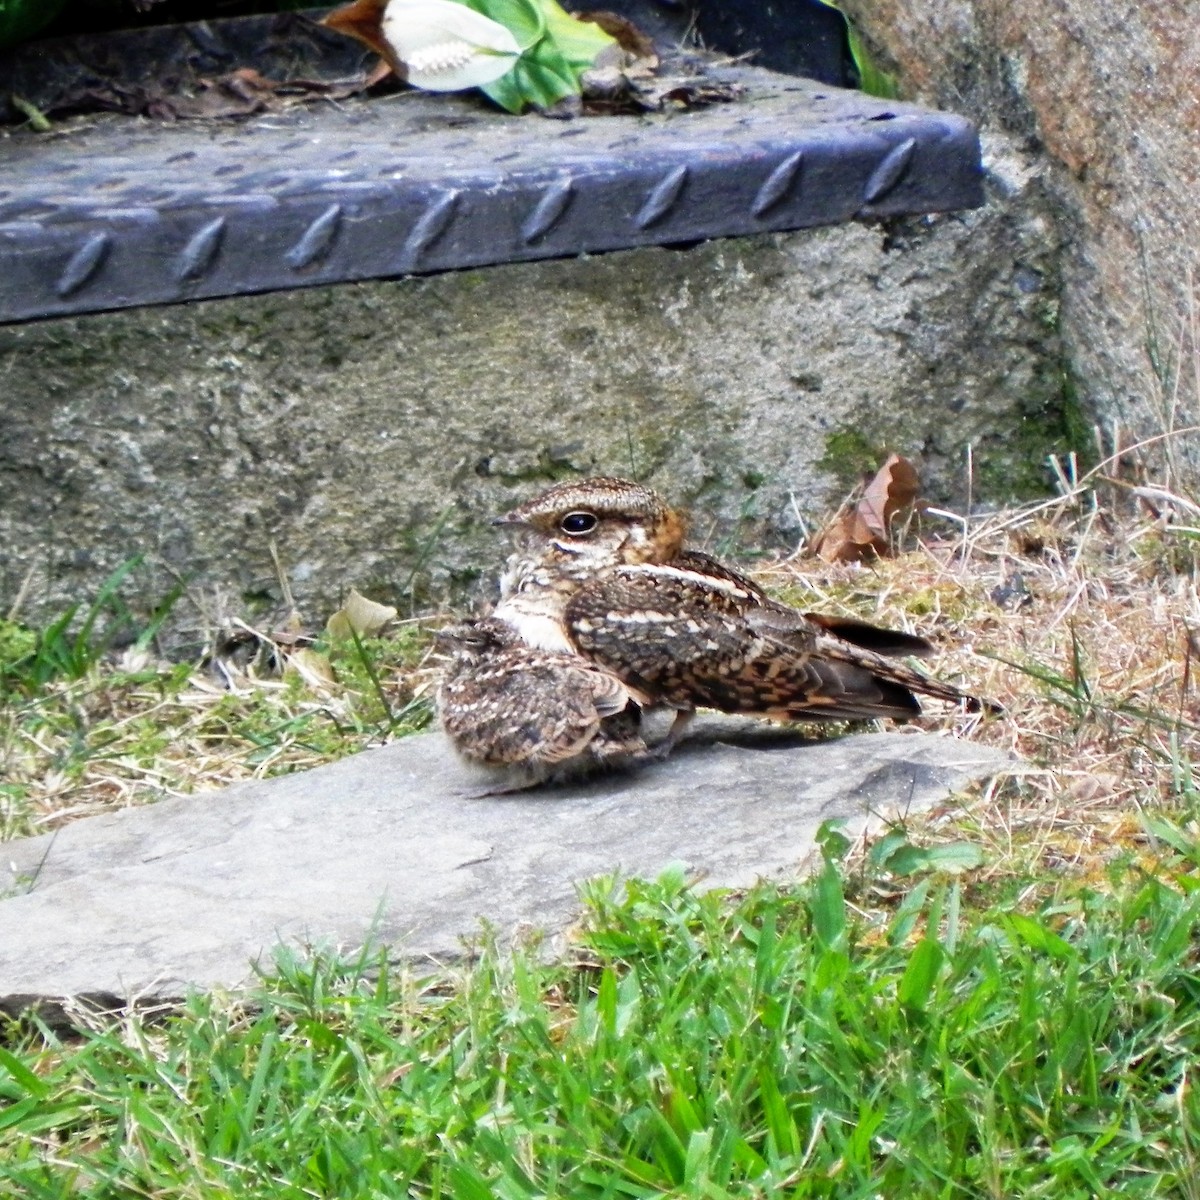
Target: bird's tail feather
{"points": [[888, 671]]}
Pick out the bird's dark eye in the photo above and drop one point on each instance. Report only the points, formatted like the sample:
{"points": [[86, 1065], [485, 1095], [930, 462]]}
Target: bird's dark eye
{"points": [[578, 523]]}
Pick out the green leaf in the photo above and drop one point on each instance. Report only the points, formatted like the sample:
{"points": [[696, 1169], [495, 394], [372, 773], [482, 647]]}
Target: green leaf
{"points": [[829, 909], [907, 859], [606, 1001], [882, 850], [557, 49], [629, 1001], [468, 1184], [871, 79], [908, 913], [696, 1163], [21, 1073], [1182, 841], [835, 845], [549, 73], [1036, 936], [38, 121], [579, 42], [952, 858], [671, 1152], [511, 91], [523, 18], [924, 964], [781, 1126]]}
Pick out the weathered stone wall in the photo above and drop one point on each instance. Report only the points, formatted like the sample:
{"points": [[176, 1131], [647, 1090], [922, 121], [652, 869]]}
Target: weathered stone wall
{"points": [[368, 431], [1106, 95]]}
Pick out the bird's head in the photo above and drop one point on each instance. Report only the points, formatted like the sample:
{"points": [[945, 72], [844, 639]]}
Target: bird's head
{"points": [[473, 639], [589, 524]]}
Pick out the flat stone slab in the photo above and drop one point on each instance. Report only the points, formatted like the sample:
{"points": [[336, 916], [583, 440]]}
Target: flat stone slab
{"points": [[145, 903]]}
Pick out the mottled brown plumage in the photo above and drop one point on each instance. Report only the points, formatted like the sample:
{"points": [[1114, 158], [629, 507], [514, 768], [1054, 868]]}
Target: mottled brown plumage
{"points": [[601, 570], [531, 715]]}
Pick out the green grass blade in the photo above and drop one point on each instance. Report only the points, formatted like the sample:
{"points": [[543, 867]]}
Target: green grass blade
{"points": [[920, 976]]}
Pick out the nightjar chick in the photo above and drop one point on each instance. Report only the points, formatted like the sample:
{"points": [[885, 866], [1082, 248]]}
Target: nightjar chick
{"points": [[533, 716]]}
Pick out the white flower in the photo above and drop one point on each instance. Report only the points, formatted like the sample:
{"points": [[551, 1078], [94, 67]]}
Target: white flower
{"points": [[446, 47]]}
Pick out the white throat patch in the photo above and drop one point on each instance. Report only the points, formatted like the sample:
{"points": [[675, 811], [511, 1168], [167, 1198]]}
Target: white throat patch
{"points": [[535, 626]]}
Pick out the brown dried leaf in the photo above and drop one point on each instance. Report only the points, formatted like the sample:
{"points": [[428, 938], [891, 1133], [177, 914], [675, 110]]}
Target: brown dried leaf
{"points": [[637, 45], [362, 19], [629, 76], [239, 93], [245, 91], [683, 91], [624, 90], [863, 531], [845, 539], [890, 493]]}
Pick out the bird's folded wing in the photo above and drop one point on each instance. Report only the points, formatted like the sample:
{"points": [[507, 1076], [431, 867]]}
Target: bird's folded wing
{"points": [[688, 642], [774, 619]]}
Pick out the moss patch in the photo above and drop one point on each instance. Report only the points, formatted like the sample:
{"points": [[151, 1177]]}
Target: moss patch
{"points": [[1015, 468], [849, 455]]}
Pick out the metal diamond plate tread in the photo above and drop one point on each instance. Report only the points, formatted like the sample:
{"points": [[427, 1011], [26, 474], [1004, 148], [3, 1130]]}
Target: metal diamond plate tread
{"points": [[111, 212]]}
